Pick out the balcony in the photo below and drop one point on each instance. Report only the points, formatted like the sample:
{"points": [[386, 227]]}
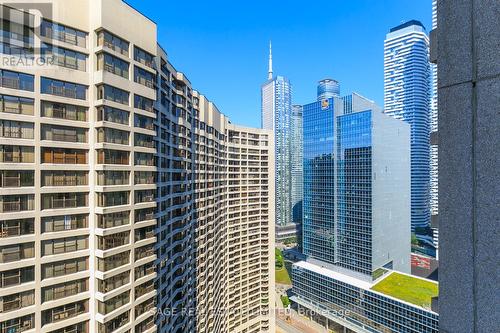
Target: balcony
{"points": [[18, 325], [17, 227], [64, 178], [16, 203], [113, 219], [64, 200], [17, 179], [16, 154], [64, 156], [17, 301], [110, 242], [114, 261]]}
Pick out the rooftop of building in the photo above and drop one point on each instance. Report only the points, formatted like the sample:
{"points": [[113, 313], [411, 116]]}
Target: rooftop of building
{"points": [[404, 287], [407, 24], [411, 289]]}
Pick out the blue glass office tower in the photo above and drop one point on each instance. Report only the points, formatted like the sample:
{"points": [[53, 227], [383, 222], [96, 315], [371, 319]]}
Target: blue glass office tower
{"points": [[356, 186], [356, 219], [406, 97], [276, 104]]}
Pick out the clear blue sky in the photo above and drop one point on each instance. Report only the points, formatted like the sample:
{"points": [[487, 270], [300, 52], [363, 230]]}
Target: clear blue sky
{"points": [[222, 46]]}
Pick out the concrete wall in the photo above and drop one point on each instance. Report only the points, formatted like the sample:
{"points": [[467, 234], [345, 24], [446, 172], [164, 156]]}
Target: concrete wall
{"points": [[468, 56]]}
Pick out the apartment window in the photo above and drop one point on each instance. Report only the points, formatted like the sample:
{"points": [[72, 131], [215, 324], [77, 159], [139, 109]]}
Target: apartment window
{"points": [[76, 328], [110, 93], [144, 233], [108, 156], [113, 178], [112, 64], [16, 203], [113, 261], [144, 214], [145, 324], [64, 156], [64, 312], [64, 178], [64, 134], [143, 252], [64, 223], [111, 220], [17, 105], [111, 135], [64, 245], [144, 196], [144, 122], [143, 103], [144, 77], [115, 323], [63, 268], [18, 276], [11, 30], [63, 33], [63, 89], [64, 200], [143, 308], [64, 57], [16, 129], [113, 42], [63, 111], [108, 199], [16, 252], [17, 301], [113, 282], [17, 227], [143, 140], [144, 270], [144, 159], [143, 57], [15, 178], [15, 50], [16, 80], [16, 154], [114, 303], [18, 325], [144, 177], [106, 113], [111, 241], [63, 290]]}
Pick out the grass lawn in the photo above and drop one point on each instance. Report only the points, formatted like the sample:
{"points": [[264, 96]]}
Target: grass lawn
{"points": [[410, 289], [282, 268]]}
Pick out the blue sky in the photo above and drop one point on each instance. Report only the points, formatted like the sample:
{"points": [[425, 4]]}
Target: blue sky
{"points": [[222, 46]]}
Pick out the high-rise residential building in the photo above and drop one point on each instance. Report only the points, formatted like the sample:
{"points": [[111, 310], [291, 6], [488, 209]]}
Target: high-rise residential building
{"points": [[128, 202], [356, 227], [296, 160], [406, 97], [276, 102]]}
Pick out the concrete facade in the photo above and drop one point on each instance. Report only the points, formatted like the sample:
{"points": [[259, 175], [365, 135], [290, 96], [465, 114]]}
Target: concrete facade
{"points": [[468, 57]]}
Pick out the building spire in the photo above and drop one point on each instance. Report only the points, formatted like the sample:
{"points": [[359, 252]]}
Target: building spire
{"points": [[270, 72]]}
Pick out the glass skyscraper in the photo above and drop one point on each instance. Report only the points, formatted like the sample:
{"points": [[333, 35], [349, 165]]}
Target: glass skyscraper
{"points": [[356, 221], [406, 97], [276, 104], [297, 173]]}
